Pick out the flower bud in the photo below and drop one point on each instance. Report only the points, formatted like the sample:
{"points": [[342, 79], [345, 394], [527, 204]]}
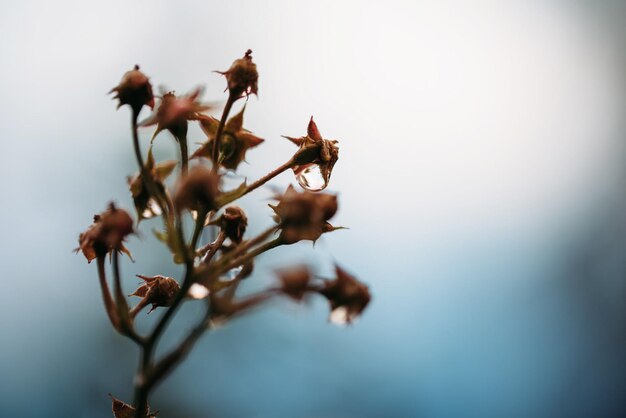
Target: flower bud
{"points": [[134, 90], [304, 216], [315, 159], [197, 190], [242, 76], [295, 282], [235, 141], [107, 233], [234, 222], [174, 113], [347, 297], [157, 290]]}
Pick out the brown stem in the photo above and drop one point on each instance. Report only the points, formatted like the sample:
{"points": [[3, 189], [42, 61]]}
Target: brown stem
{"points": [[215, 152], [109, 305], [258, 183], [126, 324], [184, 155]]}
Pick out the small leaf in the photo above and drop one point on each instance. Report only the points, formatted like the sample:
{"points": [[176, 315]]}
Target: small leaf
{"points": [[164, 169], [232, 195], [235, 123], [122, 409]]}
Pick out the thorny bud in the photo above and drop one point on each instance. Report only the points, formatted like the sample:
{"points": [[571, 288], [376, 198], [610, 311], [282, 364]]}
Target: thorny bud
{"points": [[234, 222], [295, 282], [198, 190], [304, 216], [124, 410], [234, 141], [174, 113], [347, 297], [145, 203], [157, 290], [314, 153], [242, 77], [106, 234], [134, 90]]}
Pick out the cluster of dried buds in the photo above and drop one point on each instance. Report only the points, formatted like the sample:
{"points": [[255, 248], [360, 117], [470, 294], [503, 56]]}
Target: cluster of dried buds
{"points": [[213, 271]]}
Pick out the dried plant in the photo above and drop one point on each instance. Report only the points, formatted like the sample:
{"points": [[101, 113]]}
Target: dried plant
{"points": [[211, 272]]}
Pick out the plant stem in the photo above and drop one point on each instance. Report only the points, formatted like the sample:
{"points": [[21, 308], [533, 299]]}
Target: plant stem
{"points": [[215, 152], [184, 155], [268, 176], [109, 305]]}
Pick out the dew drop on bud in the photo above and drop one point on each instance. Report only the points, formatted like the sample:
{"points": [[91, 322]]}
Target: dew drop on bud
{"points": [[311, 178], [341, 316], [232, 273], [152, 209], [197, 291]]}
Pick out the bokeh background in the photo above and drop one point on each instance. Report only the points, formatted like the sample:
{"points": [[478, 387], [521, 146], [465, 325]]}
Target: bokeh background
{"points": [[481, 174]]}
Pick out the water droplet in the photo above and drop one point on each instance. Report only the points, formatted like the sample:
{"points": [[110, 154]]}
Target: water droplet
{"points": [[152, 209], [232, 273], [311, 178], [197, 291], [342, 316]]}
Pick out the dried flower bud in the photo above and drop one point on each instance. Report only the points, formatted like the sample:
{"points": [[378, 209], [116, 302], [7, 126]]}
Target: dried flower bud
{"points": [[106, 234], [134, 90], [157, 290], [145, 204], [242, 77], [197, 190], [234, 222], [347, 297], [315, 159], [124, 410], [304, 216], [234, 141], [174, 113], [295, 282]]}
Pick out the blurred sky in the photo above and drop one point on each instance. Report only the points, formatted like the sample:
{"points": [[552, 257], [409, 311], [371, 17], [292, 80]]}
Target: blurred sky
{"points": [[481, 174]]}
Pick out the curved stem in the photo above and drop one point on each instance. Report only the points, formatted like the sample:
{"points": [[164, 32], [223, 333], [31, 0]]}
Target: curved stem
{"points": [[216, 143], [109, 305]]}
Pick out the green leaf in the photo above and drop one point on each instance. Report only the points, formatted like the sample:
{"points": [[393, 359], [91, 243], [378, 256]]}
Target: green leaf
{"points": [[232, 195]]}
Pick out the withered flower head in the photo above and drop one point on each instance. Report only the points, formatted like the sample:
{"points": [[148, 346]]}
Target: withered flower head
{"points": [[124, 410], [304, 216], [242, 77], [197, 190], [145, 203], [347, 297], [234, 141], [157, 290], [295, 282], [134, 90], [233, 223], [315, 159], [106, 234], [174, 113]]}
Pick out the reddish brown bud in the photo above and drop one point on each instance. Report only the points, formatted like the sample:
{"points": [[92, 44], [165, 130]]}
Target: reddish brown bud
{"points": [[295, 282], [242, 77], [234, 141], [124, 410], [347, 297], [304, 216], [315, 159], [106, 234], [234, 222], [134, 90], [174, 113], [197, 190], [157, 290]]}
